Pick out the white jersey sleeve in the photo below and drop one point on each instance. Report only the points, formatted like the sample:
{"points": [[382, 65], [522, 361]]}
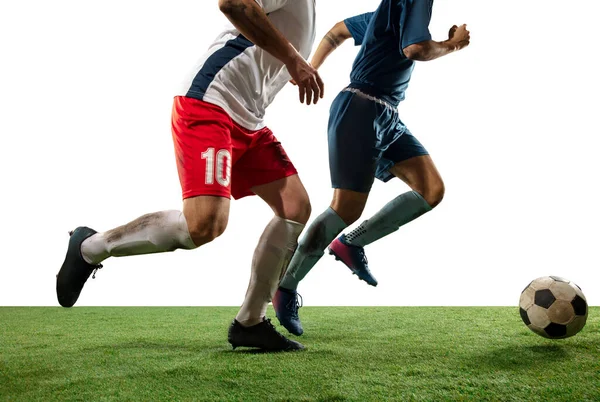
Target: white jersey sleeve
{"points": [[271, 5], [244, 79]]}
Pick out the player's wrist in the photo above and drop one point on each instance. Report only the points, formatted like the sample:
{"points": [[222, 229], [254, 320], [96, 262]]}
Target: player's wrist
{"points": [[291, 56], [452, 45]]}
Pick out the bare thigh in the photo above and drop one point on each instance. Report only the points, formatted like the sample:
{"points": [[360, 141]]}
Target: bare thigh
{"points": [[287, 198], [422, 176]]}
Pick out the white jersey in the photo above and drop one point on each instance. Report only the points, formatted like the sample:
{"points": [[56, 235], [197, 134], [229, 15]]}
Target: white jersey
{"points": [[242, 78]]}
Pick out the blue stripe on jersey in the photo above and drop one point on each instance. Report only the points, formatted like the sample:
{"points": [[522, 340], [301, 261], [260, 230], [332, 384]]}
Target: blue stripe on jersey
{"points": [[219, 59]]}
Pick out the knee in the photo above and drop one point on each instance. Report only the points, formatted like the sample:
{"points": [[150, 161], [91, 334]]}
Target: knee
{"points": [[302, 211], [433, 193], [350, 212], [349, 215], [298, 210], [206, 229]]}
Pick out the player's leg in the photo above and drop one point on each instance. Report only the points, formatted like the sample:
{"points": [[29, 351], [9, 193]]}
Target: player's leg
{"points": [[423, 177], [400, 146], [414, 166], [345, 208], [266, 171], [289, 201], [203, 217], [351, 137], [356, 138], [407, 159], [202, 139], [352, 173]]}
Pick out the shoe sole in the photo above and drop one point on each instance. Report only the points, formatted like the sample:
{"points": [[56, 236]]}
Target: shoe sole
{"points": [[288, 330], [338, 258], [235, 345]]}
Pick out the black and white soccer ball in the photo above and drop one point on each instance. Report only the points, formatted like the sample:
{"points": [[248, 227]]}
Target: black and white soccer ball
{"points": [[553, 307]]}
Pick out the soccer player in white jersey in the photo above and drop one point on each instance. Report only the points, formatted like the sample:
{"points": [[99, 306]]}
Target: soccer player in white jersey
{"points": [[223, 148]]}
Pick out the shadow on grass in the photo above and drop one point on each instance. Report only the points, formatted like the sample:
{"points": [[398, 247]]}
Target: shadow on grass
{"points": [[519, 357], [145, 346], [253, 351], [148, 345]]}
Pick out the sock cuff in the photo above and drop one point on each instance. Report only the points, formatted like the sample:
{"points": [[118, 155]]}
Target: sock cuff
{"points": [[426, 205], [282, 232], [185, 238], [337, 220], [292, 228], [286, 290], [289, 222]]}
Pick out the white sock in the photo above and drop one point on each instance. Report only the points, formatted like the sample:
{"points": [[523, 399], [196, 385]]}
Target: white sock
{"points": [[151, 233], [272, 255]]}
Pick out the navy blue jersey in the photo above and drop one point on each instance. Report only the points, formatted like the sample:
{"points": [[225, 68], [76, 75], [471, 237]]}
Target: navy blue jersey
{"points": [[381, 69]]}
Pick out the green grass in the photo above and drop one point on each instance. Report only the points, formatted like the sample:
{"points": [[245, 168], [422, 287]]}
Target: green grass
{"points": [[353, 353]]}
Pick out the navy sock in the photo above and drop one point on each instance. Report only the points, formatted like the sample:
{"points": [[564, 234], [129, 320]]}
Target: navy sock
{"points": [[312, 246]]}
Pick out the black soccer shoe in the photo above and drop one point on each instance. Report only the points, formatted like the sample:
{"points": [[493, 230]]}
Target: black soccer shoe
{"points": [[75, 271], [263, 336]]}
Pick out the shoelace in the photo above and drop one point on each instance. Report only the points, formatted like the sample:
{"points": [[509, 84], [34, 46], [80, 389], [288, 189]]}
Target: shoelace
{"points": [[293, 305], [361, 253], [364, 258], [272, 327], [96, 268]]}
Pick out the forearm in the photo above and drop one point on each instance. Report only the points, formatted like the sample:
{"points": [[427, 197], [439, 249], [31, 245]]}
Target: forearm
{"points": [[328, 44], [250, 19], [430, 50]]}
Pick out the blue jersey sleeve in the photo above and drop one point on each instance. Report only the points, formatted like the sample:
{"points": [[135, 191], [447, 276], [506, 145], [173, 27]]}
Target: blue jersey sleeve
{"points": [[415, 22], [358, 26]]}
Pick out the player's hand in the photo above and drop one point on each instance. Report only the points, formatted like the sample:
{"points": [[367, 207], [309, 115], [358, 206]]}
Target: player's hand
{"points": [[310, 85], [459, 36], [293, 83]]}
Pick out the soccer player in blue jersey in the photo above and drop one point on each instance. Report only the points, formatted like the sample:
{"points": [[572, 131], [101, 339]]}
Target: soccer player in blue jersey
{"points": [[367, 139]]}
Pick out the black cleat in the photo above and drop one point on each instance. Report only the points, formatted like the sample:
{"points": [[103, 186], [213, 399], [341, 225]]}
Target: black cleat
{"points": [[75, 271], [263, 336]]}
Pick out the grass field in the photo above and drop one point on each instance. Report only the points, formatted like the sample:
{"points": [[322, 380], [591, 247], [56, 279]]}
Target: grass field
{"points": [[353, 353]]}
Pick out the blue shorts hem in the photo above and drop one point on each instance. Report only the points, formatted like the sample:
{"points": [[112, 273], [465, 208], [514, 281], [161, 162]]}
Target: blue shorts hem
{"points": [[383, 172]]}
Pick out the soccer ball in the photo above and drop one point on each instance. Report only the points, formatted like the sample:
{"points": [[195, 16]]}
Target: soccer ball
{"points": [[553, 307]]}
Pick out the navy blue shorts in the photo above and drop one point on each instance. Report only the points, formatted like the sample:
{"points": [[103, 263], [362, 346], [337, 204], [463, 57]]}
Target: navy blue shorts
{"points": [[366, 139]]}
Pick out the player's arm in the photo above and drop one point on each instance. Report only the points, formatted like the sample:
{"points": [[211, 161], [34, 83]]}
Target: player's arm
{"points": [[331, 41], [458, 38], [354, 27], [415, 38], [252, 21]]}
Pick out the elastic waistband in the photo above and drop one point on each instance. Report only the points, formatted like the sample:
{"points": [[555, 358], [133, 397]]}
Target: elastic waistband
{"points": [[369, 97]]}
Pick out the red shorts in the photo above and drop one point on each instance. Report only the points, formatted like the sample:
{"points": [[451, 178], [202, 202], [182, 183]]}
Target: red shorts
{"points": [[218, 157]]}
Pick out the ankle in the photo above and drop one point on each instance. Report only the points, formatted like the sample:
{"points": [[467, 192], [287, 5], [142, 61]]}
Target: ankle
{"points": [[249, 322]]}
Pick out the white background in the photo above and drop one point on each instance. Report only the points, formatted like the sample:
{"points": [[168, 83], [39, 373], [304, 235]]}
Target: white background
{"points": [[85, 99]]}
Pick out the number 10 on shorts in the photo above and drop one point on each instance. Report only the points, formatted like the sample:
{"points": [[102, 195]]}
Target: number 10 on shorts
{"points": [[218, 167]]}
